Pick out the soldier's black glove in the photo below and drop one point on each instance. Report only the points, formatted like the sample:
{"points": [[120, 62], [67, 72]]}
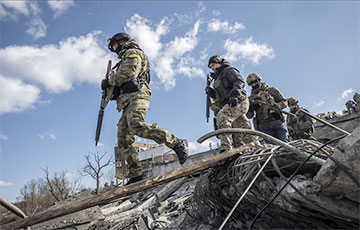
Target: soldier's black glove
{"points": [[233, 101], [210, 91], [105, 84]]}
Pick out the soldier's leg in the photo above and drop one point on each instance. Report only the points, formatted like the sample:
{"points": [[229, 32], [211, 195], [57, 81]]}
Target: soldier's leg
{"points": [[136, 122], [281, 132], [125, 140], [224, 120], [269, 131], [242, 122]]}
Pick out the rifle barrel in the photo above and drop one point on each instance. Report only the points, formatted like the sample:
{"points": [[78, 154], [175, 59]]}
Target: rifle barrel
{"points": [[98, 126]]}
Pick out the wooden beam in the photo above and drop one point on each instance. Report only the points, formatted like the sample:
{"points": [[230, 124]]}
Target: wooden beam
{"points": [[124, 191]]}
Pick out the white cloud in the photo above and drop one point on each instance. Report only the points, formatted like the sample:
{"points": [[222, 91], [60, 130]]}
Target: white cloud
{"points": [[216, 12], [5, 184], [57, 67], [3, 137], [247, 50], [186, 68], [11, 9], [320, 103], [37, 28], [191, 16], [59, 6], [195, 147], [216, 25], [346, 93], [149, 38], [15, 96], [48, 134], [163, 56]]}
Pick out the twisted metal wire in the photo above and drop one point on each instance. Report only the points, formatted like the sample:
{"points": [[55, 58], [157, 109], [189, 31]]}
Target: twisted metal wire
{"points": [[228, 181]]}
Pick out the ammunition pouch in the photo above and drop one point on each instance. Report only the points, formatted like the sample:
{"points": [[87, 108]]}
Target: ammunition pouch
{"points": [[128, 87]]}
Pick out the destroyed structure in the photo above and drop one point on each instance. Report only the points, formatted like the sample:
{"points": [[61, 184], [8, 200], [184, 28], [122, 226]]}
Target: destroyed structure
{"points": [[248, 188]]}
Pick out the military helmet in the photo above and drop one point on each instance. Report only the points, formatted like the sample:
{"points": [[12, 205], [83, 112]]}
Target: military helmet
{"points": [[252, 78], [292, 101], [215, 59], [117, 37]]}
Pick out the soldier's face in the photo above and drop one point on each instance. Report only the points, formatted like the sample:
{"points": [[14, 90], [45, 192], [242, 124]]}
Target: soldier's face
{"points": [[292, 107], [115, 46], [214, 66]]}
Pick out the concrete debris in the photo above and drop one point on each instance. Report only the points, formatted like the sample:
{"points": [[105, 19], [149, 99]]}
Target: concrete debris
{"points": [[323, 194]]}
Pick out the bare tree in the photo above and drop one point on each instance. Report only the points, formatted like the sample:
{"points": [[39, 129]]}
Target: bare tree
{"points": [[59, 186], [94, 167], [34, 197]]}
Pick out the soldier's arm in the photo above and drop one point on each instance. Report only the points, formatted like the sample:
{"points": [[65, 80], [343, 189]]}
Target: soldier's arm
{"points": [[279, 98], [128, 69], [237, 82], [307, 121], [250, 112]]}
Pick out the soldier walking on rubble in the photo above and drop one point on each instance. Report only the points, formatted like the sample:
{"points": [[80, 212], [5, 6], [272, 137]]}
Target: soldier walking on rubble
{"points": [[301, 126], [132, 94], [230, 102], [267, 102]]}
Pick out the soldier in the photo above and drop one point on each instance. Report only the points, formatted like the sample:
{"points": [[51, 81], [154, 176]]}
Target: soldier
{"points": [[132, 94], [356, 98], [230, 101], [350, 106], [301, 126], [267, 102]]}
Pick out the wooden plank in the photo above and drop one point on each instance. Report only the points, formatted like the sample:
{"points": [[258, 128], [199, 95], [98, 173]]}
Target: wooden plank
{"points": [[124, 191]]}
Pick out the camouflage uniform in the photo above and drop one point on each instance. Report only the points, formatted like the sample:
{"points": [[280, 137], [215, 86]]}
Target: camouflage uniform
{"points": [[229, 83], [264, 100], [134, 105], [301, 126]]}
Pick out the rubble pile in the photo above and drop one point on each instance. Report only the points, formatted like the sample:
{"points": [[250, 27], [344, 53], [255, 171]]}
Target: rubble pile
{"points": [[320, 196]]}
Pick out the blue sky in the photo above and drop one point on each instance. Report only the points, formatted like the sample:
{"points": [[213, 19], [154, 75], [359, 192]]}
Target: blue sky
{"points": [[53, 56]]}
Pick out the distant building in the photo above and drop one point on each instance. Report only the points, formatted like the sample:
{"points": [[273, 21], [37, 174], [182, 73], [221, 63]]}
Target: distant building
{"points": [[149, 155]]}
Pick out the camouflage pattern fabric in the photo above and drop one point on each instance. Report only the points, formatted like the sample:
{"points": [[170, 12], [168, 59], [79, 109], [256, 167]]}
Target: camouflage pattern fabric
{"points": [[273, 99], [301, 126], [234, 117], [132, 122], [133, 63], [134, 106]]}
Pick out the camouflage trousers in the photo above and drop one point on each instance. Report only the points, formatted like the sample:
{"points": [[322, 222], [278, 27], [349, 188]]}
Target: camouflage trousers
{"points": [[132, 122], [234, 117]]}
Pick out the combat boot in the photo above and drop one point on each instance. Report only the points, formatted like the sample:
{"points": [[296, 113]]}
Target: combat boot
{"points": [[134, 179], [181, 150]]}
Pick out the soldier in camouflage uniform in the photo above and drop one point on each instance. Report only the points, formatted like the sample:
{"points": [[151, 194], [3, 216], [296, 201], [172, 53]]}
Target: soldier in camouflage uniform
{"points": [[132, 94], [230, 102], [267, 102], [356, 98], [301, 126]]}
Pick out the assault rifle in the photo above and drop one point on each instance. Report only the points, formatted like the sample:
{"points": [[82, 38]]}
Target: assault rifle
{"points": [[269, 104], [105, 98], [208, 100]]}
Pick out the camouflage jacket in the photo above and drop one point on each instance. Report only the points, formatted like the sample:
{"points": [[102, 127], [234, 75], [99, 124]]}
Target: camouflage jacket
{"points": [[263, 101], [301, 126], [133, 63]]}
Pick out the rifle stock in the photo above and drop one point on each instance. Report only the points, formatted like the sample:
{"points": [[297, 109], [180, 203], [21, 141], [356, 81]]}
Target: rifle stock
{"points": [[103, 103]]}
